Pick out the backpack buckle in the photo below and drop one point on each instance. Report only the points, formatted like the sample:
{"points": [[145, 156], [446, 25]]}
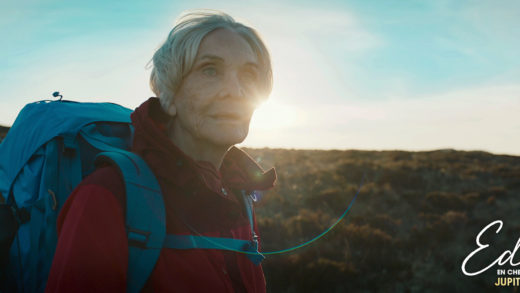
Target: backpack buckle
{"points": [[253, 254], [137, 237]]}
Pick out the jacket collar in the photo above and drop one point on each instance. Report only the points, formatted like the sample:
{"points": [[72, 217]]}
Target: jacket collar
{"points": [[238, 170]]}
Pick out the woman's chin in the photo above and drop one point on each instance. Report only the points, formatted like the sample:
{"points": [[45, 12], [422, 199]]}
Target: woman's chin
{"points": [[227, 136]]}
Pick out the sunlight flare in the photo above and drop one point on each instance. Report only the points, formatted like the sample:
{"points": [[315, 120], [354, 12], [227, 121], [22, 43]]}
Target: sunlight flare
{"points": [[275, 115]]}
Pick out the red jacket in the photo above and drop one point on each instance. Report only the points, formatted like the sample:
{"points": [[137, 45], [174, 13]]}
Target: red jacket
{"points": [[92, 250]]}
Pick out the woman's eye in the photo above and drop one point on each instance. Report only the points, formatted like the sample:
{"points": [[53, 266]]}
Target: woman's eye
{"points": [[210, 71], [250, 75]]}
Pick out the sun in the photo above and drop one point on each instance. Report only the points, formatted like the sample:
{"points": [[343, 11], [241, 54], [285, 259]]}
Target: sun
{"points": [[274, 115]]}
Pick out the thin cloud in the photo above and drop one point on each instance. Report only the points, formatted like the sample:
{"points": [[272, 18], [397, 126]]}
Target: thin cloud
{"points": [[484, 118]]}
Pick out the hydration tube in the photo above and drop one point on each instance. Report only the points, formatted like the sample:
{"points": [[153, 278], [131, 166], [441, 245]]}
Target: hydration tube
{"points": [[299, 245]]}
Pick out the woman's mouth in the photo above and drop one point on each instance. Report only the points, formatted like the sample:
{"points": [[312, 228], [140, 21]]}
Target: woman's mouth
{"points": [[227, 116]]}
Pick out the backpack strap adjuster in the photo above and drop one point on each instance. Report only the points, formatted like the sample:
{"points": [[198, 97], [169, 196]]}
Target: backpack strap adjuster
{"points": [[54, 200], [137, 237]]}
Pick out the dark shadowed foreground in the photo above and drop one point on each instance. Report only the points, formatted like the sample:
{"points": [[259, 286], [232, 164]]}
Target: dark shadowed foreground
{"points": [[412, 225], [3, 132]]}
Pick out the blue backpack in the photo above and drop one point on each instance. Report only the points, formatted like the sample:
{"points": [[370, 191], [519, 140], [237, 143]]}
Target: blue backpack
{"points": [[47, 152]]}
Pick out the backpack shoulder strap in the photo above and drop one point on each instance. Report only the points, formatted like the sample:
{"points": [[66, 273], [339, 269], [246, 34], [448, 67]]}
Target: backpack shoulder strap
{"points": [[145, 215], [247, 247]]}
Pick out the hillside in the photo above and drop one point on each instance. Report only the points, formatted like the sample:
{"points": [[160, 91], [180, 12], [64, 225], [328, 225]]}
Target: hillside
{"points": [[412, 225], [414, 221], [3, 132]]}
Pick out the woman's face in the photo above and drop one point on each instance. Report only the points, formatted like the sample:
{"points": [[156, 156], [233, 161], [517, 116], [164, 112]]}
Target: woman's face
{"points": [[216, 100]]}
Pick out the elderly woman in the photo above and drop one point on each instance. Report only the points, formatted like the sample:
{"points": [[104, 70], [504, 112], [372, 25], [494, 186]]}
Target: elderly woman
{"points": [[209, 75]]}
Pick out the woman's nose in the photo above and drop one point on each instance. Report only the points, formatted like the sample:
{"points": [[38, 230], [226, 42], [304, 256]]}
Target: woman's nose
{"points": [[233, 87]]}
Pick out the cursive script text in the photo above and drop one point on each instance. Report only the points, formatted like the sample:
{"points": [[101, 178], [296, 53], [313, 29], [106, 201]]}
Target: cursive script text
{"points": [[506, 256]]}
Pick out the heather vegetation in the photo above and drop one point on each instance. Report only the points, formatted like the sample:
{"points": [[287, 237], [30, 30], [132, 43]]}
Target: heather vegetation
{"points": [[412, 225], [3, 132]]}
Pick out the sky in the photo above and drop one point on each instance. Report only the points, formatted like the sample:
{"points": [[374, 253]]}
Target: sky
{"points": [[370, 75]]}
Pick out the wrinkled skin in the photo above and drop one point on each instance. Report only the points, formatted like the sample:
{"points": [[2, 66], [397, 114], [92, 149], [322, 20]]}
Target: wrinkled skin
{"points": [[215, 102]]}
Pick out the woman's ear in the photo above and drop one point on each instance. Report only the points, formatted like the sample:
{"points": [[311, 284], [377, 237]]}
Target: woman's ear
{"points": [[168, 105], [172, 110]]}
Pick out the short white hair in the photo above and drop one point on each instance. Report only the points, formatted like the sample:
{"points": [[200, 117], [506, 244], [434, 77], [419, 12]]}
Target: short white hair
{"points": [[175, 58]]}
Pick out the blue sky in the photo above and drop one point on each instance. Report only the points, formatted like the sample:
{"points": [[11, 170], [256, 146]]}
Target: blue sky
{"points": [[411, 75]]}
